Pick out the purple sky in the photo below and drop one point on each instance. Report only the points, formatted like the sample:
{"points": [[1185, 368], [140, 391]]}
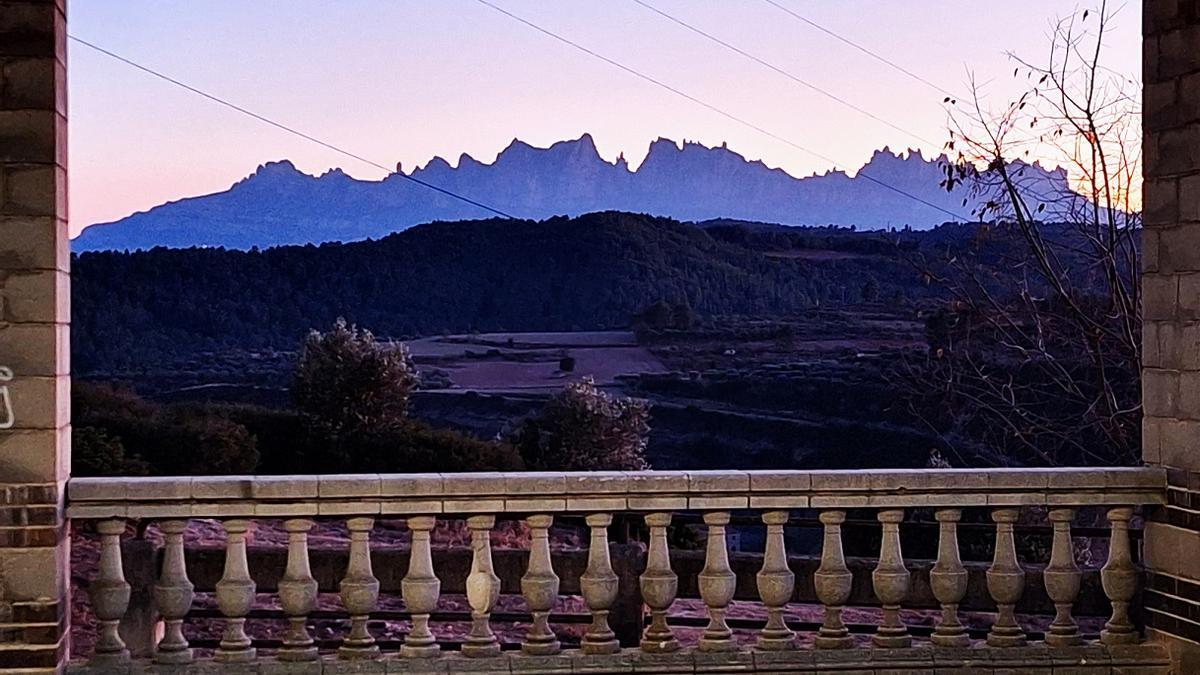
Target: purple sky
{"points": [[404, 80]]}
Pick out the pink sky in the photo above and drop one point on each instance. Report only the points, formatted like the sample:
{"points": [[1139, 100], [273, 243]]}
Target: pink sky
{"points": [[406, 80]]}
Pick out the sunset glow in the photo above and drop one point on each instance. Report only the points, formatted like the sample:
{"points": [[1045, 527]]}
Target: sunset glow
{"points": [[402, 82]]}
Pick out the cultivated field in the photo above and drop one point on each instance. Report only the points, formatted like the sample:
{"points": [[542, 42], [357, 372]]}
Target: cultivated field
{"points": [[529, 362]]}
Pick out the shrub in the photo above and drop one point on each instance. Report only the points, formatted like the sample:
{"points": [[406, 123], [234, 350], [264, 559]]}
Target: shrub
{"points": [[582, 428], [95, 452], [348, 380], [169, 440], [293, 442]]}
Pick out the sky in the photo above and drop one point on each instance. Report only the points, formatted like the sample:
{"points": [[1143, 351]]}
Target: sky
{"points": [[406, 80]]}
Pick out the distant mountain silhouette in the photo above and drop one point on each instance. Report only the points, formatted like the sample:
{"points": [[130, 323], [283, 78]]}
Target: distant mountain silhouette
{"points": [[278, 204]]}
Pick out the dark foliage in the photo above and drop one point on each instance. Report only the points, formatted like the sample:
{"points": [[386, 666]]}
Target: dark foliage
{"points": [[170, 440], [96, 452], [292, 442], [584, 429], [592, 272], [348, 380], [118, 433]]}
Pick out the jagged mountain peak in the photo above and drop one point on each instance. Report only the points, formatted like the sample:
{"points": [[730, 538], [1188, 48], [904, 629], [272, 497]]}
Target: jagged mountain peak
{"points": [[686, 180]]}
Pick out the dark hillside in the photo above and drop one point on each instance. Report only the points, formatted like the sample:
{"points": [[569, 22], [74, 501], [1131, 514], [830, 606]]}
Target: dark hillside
{"points": [[591, 272]]}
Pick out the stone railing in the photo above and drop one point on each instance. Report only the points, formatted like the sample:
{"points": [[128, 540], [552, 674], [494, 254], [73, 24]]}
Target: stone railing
{"points": [[653, 497]]}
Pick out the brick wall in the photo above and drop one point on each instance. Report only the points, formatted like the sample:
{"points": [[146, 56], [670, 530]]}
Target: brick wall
{"points": [[1171, 314], [34, 343]]}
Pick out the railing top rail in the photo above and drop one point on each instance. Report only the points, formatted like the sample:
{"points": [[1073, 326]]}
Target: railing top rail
{"points": [[557, 492]]}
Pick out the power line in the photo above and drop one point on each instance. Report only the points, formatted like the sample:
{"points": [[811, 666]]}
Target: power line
{"points": [[950, 96], [290, 130], [795, 78], [868, 52], [636, 73]]}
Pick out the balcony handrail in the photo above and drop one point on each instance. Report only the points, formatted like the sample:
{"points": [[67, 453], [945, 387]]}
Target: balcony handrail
{"points": [[617, 600], [589, 492]]}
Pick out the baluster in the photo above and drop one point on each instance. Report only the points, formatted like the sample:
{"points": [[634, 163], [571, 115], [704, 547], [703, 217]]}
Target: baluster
{"points": [[235, 596], [539, 586], [109, 594], [420, 588], [359, 591], [891, 579], [1119, 579], [948, 579], [1005, 581], [598, 584], [717, 584], [776, 585], [1062, 577], [173, 596], [659, 584], [297, 594], [833, 581], [483, 590]]}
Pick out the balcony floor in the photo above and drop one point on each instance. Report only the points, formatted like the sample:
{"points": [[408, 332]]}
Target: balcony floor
{"points": [[1036, 659]]}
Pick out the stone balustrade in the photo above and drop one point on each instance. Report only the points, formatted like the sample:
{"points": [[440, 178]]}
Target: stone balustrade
{"points": [[654, 498]]}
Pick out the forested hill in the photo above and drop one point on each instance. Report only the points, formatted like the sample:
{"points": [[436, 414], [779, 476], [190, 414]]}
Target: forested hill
{"points": [[591, 272]]}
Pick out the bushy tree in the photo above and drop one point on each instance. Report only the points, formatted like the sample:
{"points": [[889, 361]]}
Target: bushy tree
{"points": [[870, 290], [583, 428], [95, 452], [349, 380], [121, 433]]}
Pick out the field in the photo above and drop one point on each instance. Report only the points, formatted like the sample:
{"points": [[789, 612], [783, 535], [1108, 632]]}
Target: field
{"points": [[529, 362], [806, 391]]}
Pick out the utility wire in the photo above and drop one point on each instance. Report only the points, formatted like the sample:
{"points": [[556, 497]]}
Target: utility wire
{"points": [[951, 96], [290, 130], [868, 52], [705, 104], [791, 76]]}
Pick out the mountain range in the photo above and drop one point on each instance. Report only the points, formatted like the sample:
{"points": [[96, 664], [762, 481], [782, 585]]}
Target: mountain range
{"points": [[280, 205]]}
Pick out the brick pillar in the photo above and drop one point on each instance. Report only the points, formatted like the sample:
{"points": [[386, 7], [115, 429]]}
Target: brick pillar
{"points": [[1171, 317], [34, 344]]}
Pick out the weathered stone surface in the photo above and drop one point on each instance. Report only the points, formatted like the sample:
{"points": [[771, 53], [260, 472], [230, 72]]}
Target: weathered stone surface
{"points": [[42, 349], [1179, 249], [411, 484], [38, 402], [35, 296], [33, 243], [1160, 294], [349, 485]]}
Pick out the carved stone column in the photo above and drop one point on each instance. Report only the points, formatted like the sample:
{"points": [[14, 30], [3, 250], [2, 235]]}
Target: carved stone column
{"points": [[420, 588], [1005, 581], [235, 596], [483, 590], [1062, 578], [833, 582], [599, 586], [659, 584], [539, 586], [948, 578], [776, 585], [359, 591], [1119, 578], [297, 594], [717, 584], [891, 580], [173, 595], [110, 597]]}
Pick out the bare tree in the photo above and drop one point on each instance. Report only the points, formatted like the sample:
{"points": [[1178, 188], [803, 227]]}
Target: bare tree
{"points": [[1034, 357]]}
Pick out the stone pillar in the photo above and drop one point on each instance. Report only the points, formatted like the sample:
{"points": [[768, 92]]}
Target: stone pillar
{"points": [[34, 345], [1171, 316]]}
